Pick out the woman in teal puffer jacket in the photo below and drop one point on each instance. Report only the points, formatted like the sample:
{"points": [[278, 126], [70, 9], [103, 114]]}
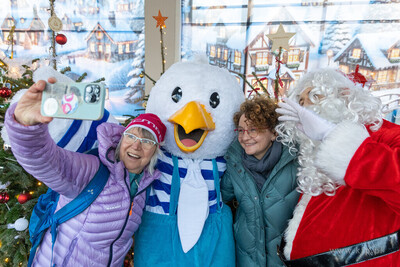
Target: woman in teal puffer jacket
{"points": [[261, 176]]}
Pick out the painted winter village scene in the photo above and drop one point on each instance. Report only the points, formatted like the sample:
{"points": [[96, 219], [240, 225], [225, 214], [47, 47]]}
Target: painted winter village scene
{"points": [[334, 33], [268, 45], [105, 39], [102, 38]]}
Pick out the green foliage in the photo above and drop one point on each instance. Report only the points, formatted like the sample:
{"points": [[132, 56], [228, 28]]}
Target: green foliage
{"points": [[15, 246]]}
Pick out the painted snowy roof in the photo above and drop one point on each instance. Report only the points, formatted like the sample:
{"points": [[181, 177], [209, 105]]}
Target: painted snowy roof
{"points": [[283, 69], [237, 40], [121, 32], [375, 45], [302, 37], [22, 21]]}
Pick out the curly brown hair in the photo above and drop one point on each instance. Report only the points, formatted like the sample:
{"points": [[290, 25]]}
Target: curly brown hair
{"points": [[260, 111]]}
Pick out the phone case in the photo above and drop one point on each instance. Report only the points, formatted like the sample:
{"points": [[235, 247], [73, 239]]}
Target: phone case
{"points": [[83, 101]]}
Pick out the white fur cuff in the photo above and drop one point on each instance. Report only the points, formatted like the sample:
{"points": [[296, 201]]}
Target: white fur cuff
{"points": [[336, 151]]}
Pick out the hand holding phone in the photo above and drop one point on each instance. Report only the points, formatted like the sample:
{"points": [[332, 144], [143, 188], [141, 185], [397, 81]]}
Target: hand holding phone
{"points": [[27, 111], [82, 101]]}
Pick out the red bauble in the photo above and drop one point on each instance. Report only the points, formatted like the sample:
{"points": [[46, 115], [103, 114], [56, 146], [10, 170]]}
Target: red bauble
{"points": [[61, 39], [5, 92], [4, 197], [24, 197]]}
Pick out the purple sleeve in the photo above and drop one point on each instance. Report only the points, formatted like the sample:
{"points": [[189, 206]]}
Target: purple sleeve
{"points": [[63, 171]]}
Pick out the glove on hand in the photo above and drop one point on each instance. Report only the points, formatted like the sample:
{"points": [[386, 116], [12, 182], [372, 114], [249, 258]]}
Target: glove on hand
{"points": [[312, 125]]}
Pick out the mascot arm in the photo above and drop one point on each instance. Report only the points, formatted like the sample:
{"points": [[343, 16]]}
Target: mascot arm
{"points": [[227, 190], [64, 171]]}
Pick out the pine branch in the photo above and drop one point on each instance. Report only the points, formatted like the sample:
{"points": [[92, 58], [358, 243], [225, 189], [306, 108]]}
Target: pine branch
{"points": [[81, 77], [261, 84], [99, 80], [64, 70]]}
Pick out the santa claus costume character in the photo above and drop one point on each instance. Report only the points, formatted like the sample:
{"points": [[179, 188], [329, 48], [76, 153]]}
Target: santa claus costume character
{"points": [[349, 213]]}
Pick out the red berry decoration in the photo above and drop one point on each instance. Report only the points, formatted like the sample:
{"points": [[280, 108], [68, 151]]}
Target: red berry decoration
{"points": [[24, 197], [5, 92], [4, 197], [61, 39]]}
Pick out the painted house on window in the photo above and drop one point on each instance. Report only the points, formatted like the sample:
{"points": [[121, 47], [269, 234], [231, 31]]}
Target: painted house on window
{"points": [[88, 7], [377, 54], [124, 6], [226, 52], [72, 22], [28, 30], [111, 40], [262, 61]]}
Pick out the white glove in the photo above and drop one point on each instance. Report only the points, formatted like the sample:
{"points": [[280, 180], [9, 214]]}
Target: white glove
{"points": [[308, 122]]}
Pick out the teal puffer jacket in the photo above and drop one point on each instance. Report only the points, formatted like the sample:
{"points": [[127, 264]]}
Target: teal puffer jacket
{"points": [[261, 217]]}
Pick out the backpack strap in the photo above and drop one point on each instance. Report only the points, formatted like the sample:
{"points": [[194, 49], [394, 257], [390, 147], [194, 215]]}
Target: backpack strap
{"points": [[73, 208]]}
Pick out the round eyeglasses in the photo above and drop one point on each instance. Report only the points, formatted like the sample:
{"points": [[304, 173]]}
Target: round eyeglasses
{"points": [[146, 143], [252, 132]]}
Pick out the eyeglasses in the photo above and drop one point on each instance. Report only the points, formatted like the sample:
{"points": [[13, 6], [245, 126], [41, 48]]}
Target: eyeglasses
{"points": [[146, 143], [252, 132]]}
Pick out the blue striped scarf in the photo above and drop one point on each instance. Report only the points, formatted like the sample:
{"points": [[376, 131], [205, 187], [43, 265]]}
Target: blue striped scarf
{"points": [[160, 191]]}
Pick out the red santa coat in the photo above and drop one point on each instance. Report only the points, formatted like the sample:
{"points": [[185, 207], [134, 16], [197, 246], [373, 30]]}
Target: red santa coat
{"points": [[367, 206]]}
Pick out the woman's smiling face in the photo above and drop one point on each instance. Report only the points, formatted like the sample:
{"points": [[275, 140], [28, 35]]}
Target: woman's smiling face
{"points": [[132, 153], [256, 146]]}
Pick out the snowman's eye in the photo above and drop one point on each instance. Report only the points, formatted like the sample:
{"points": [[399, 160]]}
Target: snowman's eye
{"points": [[214, 100], [176, 94]]}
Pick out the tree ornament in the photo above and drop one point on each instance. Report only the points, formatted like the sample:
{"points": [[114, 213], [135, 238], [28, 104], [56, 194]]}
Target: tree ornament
{"points": [[55, 23], [5, 92], [20, 225], [161, 23], [160, 20], [4, 197], [280, 38], [24, 197], [61, 39]]}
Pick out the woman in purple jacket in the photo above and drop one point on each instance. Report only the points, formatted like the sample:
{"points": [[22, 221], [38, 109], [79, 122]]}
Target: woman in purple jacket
{"points": [[102, 234]]}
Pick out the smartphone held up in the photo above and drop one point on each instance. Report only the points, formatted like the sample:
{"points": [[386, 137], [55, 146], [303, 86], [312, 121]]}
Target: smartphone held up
{"points": [[82, 101]]}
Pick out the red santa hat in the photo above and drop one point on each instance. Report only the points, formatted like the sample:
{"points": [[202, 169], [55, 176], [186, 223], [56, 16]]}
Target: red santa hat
{"points": [[151, 123]]}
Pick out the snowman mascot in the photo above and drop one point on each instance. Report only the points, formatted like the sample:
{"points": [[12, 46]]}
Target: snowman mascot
{"points": [[185, 222], [73, 135]]}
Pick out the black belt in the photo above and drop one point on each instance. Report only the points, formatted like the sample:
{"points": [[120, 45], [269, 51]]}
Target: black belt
{"points": [[347, 255]]}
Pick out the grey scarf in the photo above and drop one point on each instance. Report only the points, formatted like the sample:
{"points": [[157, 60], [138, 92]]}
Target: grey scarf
{"points": [[261, 169]]}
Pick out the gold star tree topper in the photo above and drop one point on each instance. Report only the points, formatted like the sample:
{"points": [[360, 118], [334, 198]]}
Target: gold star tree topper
{"points": [[280, 38], [160, 20]]}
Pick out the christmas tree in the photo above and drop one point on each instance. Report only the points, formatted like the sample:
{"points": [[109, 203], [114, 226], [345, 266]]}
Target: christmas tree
{"points": [[19, 191]]}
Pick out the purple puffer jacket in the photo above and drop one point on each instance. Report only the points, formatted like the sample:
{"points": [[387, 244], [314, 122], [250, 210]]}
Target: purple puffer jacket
{"points": [[102, 234]]}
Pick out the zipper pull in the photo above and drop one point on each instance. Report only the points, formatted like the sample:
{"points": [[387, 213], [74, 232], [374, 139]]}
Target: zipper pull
{"points": [[130, 212]]}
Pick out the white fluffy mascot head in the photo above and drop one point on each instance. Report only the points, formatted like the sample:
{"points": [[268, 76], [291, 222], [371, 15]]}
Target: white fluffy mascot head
{"points": [[196, 101]]}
